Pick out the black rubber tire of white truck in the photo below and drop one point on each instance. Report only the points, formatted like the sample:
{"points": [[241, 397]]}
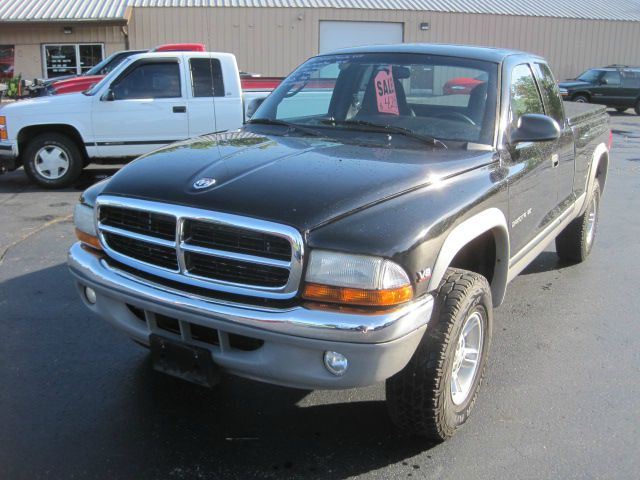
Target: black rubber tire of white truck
{"points": [[576, 241], [68, 164], [419, 397]]}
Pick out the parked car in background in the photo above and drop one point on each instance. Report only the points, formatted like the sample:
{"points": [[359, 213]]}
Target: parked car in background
{"points": [[462, 85], [80, 83], [148, 101], [616, 86]]}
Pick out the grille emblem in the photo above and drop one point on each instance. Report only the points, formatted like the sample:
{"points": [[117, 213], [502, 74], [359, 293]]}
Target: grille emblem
{"points": [[204, 183]]}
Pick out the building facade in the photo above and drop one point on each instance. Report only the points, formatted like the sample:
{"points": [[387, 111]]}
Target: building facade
{"points": [[49, 38]]}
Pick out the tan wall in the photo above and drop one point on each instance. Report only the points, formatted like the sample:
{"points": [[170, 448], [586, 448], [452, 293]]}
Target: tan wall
{"points": [[273, 41], [28, 41]]}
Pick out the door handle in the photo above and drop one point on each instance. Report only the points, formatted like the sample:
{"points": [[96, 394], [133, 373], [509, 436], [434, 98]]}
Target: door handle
{"points": [[179, 109], [555, 160]]}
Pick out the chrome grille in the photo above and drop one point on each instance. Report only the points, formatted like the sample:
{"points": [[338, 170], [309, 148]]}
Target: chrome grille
{"points": [[208, 266], [207, 249], [145, 223], [233, 239], [146, 252]]}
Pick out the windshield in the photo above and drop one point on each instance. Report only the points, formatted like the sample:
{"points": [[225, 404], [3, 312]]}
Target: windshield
{"points": [[96, 69], [590, 76], [411, 92], [97, 86]]}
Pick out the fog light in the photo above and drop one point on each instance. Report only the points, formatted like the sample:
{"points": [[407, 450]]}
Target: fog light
{"points": [[90, 295], [336, 363]]}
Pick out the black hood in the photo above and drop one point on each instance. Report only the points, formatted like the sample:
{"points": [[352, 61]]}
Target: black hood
{"points": [[573, 84], [297, 181]]}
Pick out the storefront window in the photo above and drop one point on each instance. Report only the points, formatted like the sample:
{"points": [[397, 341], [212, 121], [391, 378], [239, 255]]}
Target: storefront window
{"points": [[70, 59], [6, 61]]}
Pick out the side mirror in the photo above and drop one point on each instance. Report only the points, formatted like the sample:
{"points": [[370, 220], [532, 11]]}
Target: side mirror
{"points": [[603, 81], [533, 127], [109, 96], [253, 106]]}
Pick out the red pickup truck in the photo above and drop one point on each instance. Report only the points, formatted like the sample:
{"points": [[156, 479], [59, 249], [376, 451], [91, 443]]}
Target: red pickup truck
{"points": [[83, 82]]}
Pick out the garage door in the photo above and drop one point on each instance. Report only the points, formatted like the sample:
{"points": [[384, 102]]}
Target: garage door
{"points": [[334, 35]]}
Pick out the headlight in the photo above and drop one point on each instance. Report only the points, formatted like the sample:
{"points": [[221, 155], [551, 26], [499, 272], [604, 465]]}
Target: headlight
{"points": [[356, 280], [564, 92], [83, 219]]}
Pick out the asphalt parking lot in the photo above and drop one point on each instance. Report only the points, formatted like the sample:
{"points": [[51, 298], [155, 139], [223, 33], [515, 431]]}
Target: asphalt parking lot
{"points": [[561, 397]]}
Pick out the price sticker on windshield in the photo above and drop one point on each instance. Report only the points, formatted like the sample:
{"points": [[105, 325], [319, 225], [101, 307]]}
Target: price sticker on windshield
{"points": [[386, 92]]}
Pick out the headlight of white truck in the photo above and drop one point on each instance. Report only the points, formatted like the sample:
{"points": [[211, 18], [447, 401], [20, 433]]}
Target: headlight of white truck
{"points": [[84, 221], [335, 277]]}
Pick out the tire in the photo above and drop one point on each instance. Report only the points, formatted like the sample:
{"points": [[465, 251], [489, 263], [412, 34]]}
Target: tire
{"points": [[576, 241], [420, 398], [580, 99], [53, 160], [637, 107], [621, 109]]}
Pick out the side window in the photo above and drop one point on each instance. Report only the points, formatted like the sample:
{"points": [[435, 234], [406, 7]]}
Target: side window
{"points": [[630, 78], [550, 93], [524, 93], [149, 80], [612, 77], [206, 77]]}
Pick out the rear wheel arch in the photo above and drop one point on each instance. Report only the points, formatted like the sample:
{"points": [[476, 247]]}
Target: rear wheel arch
{"points": [[599, 169], [467, 246]]}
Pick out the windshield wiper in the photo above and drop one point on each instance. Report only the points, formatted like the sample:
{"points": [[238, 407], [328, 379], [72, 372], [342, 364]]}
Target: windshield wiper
{"points": [[290, 126], [387, 129]]}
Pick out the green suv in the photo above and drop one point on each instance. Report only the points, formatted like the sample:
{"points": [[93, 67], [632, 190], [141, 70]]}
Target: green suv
{"points": [[616, 86]]}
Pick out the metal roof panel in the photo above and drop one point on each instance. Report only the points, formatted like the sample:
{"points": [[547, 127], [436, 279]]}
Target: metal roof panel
{"points": [[58, 10]]}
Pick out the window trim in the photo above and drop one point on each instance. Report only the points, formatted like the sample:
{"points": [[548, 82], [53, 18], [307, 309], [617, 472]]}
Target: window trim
{"points": [[78, 67]]}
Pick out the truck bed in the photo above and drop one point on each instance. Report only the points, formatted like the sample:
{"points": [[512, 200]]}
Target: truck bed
{"points": [[581, 112]]}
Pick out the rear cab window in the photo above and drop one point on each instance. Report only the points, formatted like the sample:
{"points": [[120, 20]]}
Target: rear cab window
{"points": [[206, 77]]}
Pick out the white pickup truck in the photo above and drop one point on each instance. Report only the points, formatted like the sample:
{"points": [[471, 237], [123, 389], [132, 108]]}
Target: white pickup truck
{"points": [[148, 101]]}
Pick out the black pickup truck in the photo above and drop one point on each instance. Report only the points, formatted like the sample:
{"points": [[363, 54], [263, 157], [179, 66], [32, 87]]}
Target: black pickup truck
{"points": [[360, 228]]}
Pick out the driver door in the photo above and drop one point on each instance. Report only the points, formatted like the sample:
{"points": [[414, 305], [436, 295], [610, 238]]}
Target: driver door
{"points": [[144, 108], [532, 166]]}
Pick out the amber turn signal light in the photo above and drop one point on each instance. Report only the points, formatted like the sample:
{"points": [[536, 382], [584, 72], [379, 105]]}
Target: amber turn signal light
{"points": [[87, 239], [3, 128], [357, 296]]}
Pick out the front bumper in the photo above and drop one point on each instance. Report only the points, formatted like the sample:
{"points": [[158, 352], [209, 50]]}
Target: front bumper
{"points": [[8, 156], [294, 339]]}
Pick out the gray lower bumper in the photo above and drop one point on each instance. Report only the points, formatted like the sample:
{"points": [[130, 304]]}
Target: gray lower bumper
{"points": [[377, 346], [8, 157]]}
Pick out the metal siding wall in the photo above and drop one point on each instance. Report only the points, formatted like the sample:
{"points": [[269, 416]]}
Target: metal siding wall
{"points": [[273, 41], [28, 42]]}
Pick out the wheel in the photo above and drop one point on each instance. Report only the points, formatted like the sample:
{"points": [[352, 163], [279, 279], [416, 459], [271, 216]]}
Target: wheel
{"points": [[621, 109], [581, 99], [637, 107], [434, 394], [53, 160], [576, 241]]}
